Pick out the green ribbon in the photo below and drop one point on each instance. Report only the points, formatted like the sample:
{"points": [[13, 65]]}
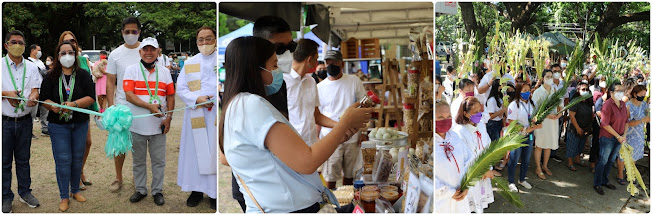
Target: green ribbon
{"points": [[20, 92], [117, 120]]}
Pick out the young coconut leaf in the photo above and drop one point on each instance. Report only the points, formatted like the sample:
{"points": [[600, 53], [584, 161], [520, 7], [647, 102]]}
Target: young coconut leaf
{"points": [[632, 173], [575, 101], [512, 198], [491, 155], [548, 104]]}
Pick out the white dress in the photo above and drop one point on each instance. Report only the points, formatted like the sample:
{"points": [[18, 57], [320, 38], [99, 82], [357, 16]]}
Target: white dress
{"points": [[547, 137], [481, 195], [188, 176], [452, 158]]}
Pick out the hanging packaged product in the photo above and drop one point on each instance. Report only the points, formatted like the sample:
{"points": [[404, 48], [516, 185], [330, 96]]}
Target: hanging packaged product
{"points": [[413, 83], [408, 117], [368, 149]]}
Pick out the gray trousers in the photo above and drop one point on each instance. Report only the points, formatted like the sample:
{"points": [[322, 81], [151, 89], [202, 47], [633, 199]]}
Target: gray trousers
{"points": [[44, 118], [156, 147]]}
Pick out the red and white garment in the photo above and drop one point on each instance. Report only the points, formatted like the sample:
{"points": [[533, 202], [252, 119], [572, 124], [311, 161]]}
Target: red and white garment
{"points": [[452, 158], [476, 139]]}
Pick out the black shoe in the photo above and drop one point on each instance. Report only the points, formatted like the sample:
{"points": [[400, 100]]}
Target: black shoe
{"points": [[610, 186], [34, 136], [137, 197], [556, 158], [194, 199], [598, 189], [158, 199], [213, 203], [45, 133]]}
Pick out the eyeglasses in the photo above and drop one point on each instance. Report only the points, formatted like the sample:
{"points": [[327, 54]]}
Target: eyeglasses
{"points": [[207, 39], [281, 48], [13, 42], [63, 53], [130, 31], [70, 41]]}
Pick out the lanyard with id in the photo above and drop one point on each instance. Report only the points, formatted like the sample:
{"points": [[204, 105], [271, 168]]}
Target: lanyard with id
{"points": [[21, 105], [529, 116], [69, 87], [153, 99]]}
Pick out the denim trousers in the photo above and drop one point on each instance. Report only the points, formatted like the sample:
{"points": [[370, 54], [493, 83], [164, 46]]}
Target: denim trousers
{"points": [[16, 143], [494, 128], [524, 153], [68, 147], [609, 148]]}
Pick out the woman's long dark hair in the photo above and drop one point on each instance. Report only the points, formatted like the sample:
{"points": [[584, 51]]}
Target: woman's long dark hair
{"points": [[517, 93], [495, 93], [56, 68], [242, 61]]}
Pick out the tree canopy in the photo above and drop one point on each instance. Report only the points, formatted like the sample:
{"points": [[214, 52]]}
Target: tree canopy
{"points": [[43, 22]]}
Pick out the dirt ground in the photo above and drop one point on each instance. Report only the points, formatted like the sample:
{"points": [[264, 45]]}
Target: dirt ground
{"points": [[101, 172]]}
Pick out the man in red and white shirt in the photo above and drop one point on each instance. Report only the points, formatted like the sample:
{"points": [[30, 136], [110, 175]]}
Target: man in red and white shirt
{"points": [[149, 89]]}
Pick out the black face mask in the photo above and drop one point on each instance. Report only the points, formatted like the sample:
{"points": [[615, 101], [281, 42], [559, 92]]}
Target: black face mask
{"points": [[148, 65], [333, 70], [322, 74], [640, 98], [511, 94]]}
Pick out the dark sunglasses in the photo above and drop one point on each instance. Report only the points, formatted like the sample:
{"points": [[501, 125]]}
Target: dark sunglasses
{"points": [[281, 48], [131, 31], [70, 41]]}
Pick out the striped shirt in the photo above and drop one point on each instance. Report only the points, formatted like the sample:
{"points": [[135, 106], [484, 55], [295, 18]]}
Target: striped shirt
{"points": [[135, 82]]}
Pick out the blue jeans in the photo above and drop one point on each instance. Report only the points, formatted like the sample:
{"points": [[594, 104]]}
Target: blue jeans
{"points": [[68, 147], [16, 143], [494, 128], [524, 153], [609, 148]]}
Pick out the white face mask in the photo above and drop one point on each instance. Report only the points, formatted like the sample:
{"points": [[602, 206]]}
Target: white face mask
{"points": [[603, 84], [38, 54], [206, 49], [67, 60], [619, 96], [556, 75], [583, 93], [436, 88], [48, 62], [585, 81], [285, 61], [130, 39], [549, 82]]}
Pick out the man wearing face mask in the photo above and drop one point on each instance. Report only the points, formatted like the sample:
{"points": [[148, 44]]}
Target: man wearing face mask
{"points": [[277, 31], [34, 56], [119, 59], [303, 98], [336, 93], [20, 78], [320, 73], [557, 84], [149, 89], [197, 83]]}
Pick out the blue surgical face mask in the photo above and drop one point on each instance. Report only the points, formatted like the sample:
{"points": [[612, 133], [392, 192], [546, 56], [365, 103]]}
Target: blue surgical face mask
{"points": [[525, 95], [277, 82]]}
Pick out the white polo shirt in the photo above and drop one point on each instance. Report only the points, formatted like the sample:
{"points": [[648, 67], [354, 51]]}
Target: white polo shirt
{"points": [[119, 60], [39, 64], [520, 114], [32, 80], [336, 96], [135, 82], [302, 101]]}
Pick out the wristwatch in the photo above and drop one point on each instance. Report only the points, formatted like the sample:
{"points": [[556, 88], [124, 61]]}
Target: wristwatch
{"points": [[75, 102]]}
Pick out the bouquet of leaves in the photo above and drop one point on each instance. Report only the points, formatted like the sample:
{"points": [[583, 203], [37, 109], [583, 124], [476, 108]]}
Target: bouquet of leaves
{"points": [[575, 64], [492, 154], [540, 53], [626, 152]]}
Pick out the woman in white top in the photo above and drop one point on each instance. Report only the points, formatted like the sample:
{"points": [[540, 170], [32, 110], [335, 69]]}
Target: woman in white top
{"points": [[521, 111], [496, 111], [474, 136], [265, 153], [467, 89], [550, 126], [452, 158]]}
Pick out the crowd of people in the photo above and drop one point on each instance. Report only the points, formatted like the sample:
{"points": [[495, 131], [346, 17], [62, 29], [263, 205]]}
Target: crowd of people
{"points": [[277, 117], [124, 77], [470, 114]]}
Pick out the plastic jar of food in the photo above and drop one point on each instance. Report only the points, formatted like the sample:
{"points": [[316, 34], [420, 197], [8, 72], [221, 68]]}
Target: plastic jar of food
{"points": [[413, 82], [370, 100], [408, 117], [389, 187], [369, 200], [390, 195], [370, 188], [357, 186]]}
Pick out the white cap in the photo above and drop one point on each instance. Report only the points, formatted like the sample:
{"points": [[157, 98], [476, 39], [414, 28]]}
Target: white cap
{"points": [[148, 42]]}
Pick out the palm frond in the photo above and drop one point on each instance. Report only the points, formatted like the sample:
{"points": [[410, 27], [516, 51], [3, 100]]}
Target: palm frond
{"points": [[491, 155], [575, 101], [575, 62], [549, 104], [632, 173], [512, 198]]}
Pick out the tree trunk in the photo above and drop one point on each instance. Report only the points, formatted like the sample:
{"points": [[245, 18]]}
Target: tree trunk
{"points": [[611, 19], [471, 25]]}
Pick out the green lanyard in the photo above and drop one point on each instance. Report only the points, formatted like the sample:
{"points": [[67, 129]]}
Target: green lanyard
{"points": [[20, 92], [153, 99], [66, 116]]}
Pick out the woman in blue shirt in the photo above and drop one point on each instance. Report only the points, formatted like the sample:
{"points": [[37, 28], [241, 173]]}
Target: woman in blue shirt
{"points": [[271, 161]]}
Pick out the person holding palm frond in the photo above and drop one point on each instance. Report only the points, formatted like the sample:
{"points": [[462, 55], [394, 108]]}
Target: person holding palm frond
{"points": [[467, 89], [473, 134], [452, 158], [612, 131], [521, 110], [549, 126], [580, 126], [638, 116]]}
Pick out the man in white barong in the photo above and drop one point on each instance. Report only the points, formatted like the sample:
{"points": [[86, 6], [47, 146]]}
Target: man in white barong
{"points": [[197, 84]]}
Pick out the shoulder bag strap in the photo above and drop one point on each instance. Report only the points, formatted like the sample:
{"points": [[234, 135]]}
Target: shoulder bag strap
{"points": [[249, 192]]}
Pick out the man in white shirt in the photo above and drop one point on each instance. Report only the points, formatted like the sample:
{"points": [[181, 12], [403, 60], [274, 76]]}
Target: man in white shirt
{"points": [[149, 89], [449, 84], [303, 99], [122, 57], [486, 84], [34, 56], [20, 78], [336, 93], [162, 60]]}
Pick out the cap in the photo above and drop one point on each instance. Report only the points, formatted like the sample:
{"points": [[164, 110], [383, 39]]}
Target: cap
{"points": [[334, 55], [148, 42]]}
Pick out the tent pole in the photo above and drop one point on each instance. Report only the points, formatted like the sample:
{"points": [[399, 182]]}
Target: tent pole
{"points": [[301, 23]]}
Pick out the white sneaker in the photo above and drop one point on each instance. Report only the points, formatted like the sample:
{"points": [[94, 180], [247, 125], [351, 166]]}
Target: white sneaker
{"points": [[512, 188], [525, 184]]}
